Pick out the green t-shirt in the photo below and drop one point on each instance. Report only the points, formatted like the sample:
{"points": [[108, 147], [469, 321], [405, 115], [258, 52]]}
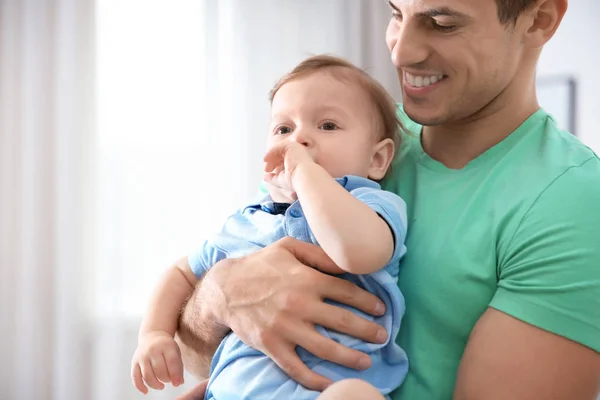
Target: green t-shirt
{"points": [[517, 229]]}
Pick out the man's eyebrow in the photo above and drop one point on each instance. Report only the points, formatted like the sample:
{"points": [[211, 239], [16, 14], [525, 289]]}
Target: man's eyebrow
{"points": [[389, 2], [443, 12], [435, 12]]}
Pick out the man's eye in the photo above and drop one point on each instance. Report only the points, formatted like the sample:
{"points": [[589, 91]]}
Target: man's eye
{"points": [[442, 28], [329, 126], [282, 130]]}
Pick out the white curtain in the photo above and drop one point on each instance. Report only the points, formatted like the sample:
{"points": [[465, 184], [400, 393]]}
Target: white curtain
{"points": [[128, 130], [46, 108]]}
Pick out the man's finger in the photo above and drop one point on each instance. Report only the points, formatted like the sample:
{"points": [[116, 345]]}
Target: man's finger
{"points": [[327, 349], [286, 358], [345, 292], [196, 393], [311, 255], [344, 321]]}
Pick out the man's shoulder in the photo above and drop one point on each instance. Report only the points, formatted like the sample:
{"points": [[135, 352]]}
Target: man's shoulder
{"points": [[547, 156], [572, 188], [548, 266], [558, 148]]}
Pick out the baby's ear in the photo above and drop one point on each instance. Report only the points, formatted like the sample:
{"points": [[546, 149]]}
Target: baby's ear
{"points": [[383, 154]]}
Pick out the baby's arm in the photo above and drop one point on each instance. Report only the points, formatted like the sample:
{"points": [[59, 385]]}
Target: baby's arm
{"points": [[356, 238], [157, 358]]}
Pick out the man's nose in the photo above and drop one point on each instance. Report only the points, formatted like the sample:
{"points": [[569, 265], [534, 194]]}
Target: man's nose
{"points": [[409, 47]]}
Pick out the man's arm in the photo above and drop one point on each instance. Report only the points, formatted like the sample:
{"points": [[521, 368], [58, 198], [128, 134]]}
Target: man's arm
{"points": [[506, 358], [541, 335], [199, 335], [272, 300]]}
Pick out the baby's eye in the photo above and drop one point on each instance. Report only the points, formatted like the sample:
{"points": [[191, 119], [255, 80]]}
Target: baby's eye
{"points": [[283, 130], [329, 126]]}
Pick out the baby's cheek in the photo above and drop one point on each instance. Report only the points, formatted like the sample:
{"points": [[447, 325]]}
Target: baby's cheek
{"points": [[335, 167]]}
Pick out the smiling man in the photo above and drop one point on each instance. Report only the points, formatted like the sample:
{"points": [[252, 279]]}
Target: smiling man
{"points": [[502, 273]]}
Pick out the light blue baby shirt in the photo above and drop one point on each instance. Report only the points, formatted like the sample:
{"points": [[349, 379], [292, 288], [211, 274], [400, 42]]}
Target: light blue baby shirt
{"points": [[241, 372]]}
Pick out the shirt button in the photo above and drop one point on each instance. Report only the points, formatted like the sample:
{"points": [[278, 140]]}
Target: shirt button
{"points": [[295, 213]]}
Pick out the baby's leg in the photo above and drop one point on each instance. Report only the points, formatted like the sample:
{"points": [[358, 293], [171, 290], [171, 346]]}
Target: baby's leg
{"points": [[351, 389]]}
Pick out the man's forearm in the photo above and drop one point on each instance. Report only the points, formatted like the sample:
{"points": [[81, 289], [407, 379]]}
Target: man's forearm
{"points": [[199, 333]]}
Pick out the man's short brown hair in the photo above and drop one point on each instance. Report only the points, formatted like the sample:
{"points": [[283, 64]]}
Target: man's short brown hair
{"points": [[509, 10], [387, 122]]}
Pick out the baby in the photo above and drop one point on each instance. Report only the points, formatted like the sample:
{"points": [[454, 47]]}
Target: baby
{"points": [[334, 132]]}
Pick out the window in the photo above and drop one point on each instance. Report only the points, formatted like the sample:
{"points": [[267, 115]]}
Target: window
{"points": [[166, 167]]}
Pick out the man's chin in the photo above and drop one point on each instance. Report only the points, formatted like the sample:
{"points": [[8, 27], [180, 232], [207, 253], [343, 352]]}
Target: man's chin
{"points": [[424, 115]]}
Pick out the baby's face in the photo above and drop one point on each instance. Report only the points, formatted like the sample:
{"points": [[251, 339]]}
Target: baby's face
{"points": [[332, 118]]}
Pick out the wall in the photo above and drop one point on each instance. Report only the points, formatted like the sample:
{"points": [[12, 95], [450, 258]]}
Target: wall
{"points": [[571, 52], [574, 51]]}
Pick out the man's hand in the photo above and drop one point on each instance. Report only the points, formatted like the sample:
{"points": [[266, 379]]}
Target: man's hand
{"points": [[281, 162], [156, 360], [272, 300]]}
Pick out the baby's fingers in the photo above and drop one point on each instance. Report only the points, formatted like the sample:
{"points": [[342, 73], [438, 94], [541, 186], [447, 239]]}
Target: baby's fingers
{"points": [[274, 157], [149, 376], [160, 367], [268, 177], [136, 378], [174, 366], [274, 166]]}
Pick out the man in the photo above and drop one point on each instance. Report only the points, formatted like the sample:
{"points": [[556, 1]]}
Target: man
{"points": [[502, 273]]}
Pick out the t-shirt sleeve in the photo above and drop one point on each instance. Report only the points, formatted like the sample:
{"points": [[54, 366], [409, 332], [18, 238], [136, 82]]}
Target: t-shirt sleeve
{"points": [[549, 275], [392, 209], [205, 257]]}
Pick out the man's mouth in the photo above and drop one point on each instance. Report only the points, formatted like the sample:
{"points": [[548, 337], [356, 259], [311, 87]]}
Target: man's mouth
{"points": [[420, 81]]}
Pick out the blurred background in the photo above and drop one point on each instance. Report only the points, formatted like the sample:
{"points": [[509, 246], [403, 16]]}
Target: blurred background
{"points": [[130, 128]]}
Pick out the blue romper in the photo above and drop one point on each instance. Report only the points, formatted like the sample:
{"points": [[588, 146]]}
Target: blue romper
{"points": [[241, 372]]}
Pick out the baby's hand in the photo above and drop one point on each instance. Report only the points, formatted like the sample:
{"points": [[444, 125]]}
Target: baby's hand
{"points": [[156, 360], [281, 162]]}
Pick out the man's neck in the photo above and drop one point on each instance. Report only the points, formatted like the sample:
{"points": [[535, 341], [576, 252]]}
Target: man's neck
{"points": [[456, 144]]}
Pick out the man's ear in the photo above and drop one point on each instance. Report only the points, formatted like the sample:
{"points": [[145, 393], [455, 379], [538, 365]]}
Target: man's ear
{"points": [[543, 20], [383, 154]]}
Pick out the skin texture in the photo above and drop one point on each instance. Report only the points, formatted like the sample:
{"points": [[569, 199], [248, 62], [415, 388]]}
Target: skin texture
{"points": [[487, 91]]}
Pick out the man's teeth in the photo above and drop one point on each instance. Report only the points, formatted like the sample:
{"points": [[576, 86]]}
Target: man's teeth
{"points": [[422, 81]]}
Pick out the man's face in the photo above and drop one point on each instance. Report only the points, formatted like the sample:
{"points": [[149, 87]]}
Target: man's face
{"points": [[454, 58]]}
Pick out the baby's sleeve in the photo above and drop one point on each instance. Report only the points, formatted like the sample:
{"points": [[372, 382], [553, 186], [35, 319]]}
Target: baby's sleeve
{"points": [[205, 257], [392, 209]]}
